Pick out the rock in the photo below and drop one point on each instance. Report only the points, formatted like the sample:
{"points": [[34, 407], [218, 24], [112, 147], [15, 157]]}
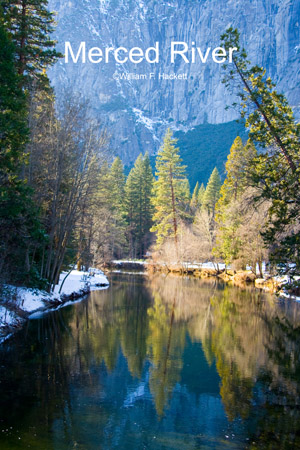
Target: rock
{"points": [[268, 284], [244, 277], [135, 111], [225, 276]]}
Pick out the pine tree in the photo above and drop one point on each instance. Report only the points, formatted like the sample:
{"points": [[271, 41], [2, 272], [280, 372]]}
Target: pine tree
{"points": [[201, 195], [20, 230], [194, 201], [30, 25], [134, 206], [138, 205], [276, 171], [237, 169], [117, 182], [167, 191], [271, 122], [13, 112], [212, 192], [186, 191], [147, 195], [109, 240], [236, 217]]}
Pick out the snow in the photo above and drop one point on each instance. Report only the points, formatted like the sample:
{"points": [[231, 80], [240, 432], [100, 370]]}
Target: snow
{"points": [[7, 317], [124, 272], [30, 299], [289, 296], [19, 301], [103, 6], [93, 30], [77, 281], [142, 119], [207, 265], [129, 261]]}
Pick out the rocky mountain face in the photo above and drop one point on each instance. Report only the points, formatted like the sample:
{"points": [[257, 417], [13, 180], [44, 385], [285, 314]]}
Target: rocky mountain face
{"points": [[138, 111]]}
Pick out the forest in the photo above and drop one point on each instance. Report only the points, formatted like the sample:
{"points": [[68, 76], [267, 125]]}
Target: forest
{"points": [[64, 200]]}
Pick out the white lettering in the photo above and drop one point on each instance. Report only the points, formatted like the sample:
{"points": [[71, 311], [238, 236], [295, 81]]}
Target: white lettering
{"points": [[231, 50], [203, 58], [125, 59], [136, 52], [69, 48], [179, 52], [156, 54], [219, 52], [95, 52]]}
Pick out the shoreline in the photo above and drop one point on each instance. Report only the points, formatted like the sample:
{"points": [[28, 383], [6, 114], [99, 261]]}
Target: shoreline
{"points": [[240, 278], [21, 304]]}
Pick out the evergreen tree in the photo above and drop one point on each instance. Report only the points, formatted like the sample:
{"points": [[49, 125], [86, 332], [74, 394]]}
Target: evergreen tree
{"points": [[13, 111], [117, 183], [168, 196], [201, 195], [237, 170], [272, 122], [20, 231], [132, 196], [276, 171], [138, 195], [30, 25], [237, 219], [194, 201], [109, 239], [186, 191], [111, 213], [147, 194], [212, 192]]}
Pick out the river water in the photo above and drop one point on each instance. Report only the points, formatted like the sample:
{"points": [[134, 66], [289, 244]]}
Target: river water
{"points": [[155, 363]]}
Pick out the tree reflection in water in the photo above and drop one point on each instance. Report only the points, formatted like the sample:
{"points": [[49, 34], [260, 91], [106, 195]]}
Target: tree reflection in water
{"points": [[161, 342]]}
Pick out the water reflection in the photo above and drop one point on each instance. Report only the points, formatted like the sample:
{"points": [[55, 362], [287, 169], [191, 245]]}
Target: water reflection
{"points": [[164, 362]]}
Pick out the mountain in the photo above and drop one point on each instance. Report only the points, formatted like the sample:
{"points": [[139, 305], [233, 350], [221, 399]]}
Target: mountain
{"points": [[137, 111]]}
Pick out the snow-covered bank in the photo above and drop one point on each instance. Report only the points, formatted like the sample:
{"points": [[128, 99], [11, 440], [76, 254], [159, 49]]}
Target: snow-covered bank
{"points": [[19, 303]]}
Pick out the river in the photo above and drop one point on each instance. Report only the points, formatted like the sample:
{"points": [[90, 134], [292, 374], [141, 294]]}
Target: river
{"points": [[155, 363]]}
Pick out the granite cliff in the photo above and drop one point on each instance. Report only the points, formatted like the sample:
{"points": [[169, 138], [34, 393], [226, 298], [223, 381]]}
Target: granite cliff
{"points": [[137, 111]]}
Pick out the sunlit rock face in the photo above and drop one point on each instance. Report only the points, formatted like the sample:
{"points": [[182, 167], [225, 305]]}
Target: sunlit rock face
{"points": [[137, 110]]}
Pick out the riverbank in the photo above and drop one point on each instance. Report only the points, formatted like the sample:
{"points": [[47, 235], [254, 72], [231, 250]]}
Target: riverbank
{"points": [[19, 304], [272, 284], [268, 283]]}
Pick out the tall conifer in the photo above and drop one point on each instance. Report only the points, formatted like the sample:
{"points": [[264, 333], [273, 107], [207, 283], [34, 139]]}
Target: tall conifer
{"points": [[30, 25], [168, 190], [194, 201], [212, 192], [20, 231], [138, 195]]}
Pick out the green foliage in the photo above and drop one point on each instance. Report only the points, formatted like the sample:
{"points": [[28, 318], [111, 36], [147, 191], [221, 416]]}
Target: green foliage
{"points": [[206, 146], [13, 111], [237, 170], [111, 210], [30, 25], [168, 193], [139, 210], [20, 229], [186, 191], [201, 195], [272, 122], [194, 200], [239, 222], [276, 172], [117, 184], [212, 192]]}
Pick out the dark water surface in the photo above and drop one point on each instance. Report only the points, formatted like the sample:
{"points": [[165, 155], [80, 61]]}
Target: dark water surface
{"points": [[161, 363]]}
